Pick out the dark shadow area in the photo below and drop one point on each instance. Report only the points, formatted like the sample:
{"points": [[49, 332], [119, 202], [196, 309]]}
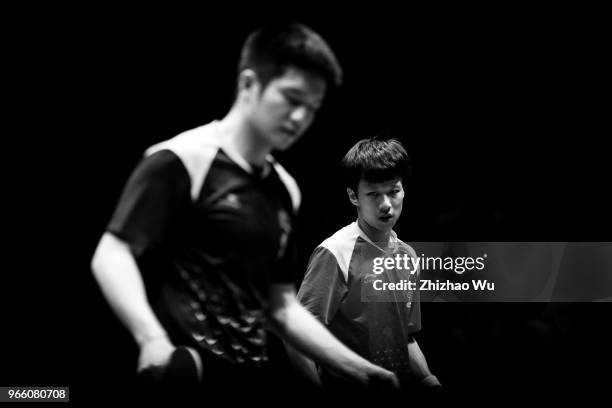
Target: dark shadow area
{"points": [[501, 115]]}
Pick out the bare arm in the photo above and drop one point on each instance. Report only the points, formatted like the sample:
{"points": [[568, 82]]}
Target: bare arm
{"points": [[418, 364], [119, 278], [303, 365], [294, 324]]}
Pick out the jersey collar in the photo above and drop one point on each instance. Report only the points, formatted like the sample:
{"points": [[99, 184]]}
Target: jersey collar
{"points": [[393, 240], [241, 161]]}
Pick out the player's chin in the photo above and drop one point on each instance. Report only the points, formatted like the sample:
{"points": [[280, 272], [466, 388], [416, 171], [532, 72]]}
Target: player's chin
{"points": [[386, 223], [284, 146], [285, 141]]}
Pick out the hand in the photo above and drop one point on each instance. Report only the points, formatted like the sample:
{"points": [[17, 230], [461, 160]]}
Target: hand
{"points": [[431, 381], [433, 389], [155, 353], [383, 380]]}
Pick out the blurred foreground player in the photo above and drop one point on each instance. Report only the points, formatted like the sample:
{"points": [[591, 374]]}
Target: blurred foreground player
{"points": [[200, 250]]}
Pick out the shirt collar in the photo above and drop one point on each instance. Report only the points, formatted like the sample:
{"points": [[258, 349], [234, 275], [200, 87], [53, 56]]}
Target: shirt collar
{"points": [[393, 240]]}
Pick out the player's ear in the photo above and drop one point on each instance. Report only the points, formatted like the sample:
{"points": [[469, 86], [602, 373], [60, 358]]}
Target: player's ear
{"points": [[247, 82], [352, 196]]}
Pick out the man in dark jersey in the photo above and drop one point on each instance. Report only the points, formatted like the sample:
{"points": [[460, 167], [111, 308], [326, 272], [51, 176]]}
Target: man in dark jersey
{"points": [[200, 249], [347, 281]]}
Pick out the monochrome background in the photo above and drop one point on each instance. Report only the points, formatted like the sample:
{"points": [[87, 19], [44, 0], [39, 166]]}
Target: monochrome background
{"points": [[501, 110]]}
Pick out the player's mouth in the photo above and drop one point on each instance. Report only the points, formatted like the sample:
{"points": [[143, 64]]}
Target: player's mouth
{"points": [[386, 218], [290, 132]]}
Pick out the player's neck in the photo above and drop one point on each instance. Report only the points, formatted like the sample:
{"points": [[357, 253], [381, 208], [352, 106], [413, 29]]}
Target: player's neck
{"points": [[241, 139], [379, 237]]}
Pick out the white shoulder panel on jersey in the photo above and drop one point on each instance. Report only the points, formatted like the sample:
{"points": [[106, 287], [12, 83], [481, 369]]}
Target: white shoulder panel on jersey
{"points": [[289, 182], [342, 245], [197, 149]]}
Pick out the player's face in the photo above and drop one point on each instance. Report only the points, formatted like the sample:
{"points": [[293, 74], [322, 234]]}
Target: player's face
{"points": [[286, 107], [379, 204]]}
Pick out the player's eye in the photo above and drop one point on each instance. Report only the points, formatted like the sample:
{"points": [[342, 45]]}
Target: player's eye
{"points": [[292, 100]]}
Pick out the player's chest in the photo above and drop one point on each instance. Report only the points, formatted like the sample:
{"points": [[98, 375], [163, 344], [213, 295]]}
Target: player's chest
{"points": [[237, 209]]}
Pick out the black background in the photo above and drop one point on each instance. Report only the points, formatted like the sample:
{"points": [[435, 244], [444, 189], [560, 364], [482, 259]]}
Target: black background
{"points": [[501, 110]]}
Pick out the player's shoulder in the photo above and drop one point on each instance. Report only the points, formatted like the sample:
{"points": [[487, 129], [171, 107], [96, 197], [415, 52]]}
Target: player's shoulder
{"points": [[338, 249], [196, 148], [197, 142], [342, 241]]}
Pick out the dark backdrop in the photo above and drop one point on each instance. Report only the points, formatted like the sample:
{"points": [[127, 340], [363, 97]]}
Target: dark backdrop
{"points": [[500, 109]]}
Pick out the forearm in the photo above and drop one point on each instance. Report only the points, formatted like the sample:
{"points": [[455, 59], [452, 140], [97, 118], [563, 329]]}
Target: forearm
{"points": [[419, 366], [119, 278], [303, 365]]}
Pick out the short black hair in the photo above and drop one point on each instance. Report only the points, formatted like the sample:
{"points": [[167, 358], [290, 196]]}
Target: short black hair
{"points": [[271, 49], [375, 160]]}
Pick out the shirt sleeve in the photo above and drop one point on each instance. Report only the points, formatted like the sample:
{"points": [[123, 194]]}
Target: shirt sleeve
{"points": [[156, 193], [323, 287]]}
